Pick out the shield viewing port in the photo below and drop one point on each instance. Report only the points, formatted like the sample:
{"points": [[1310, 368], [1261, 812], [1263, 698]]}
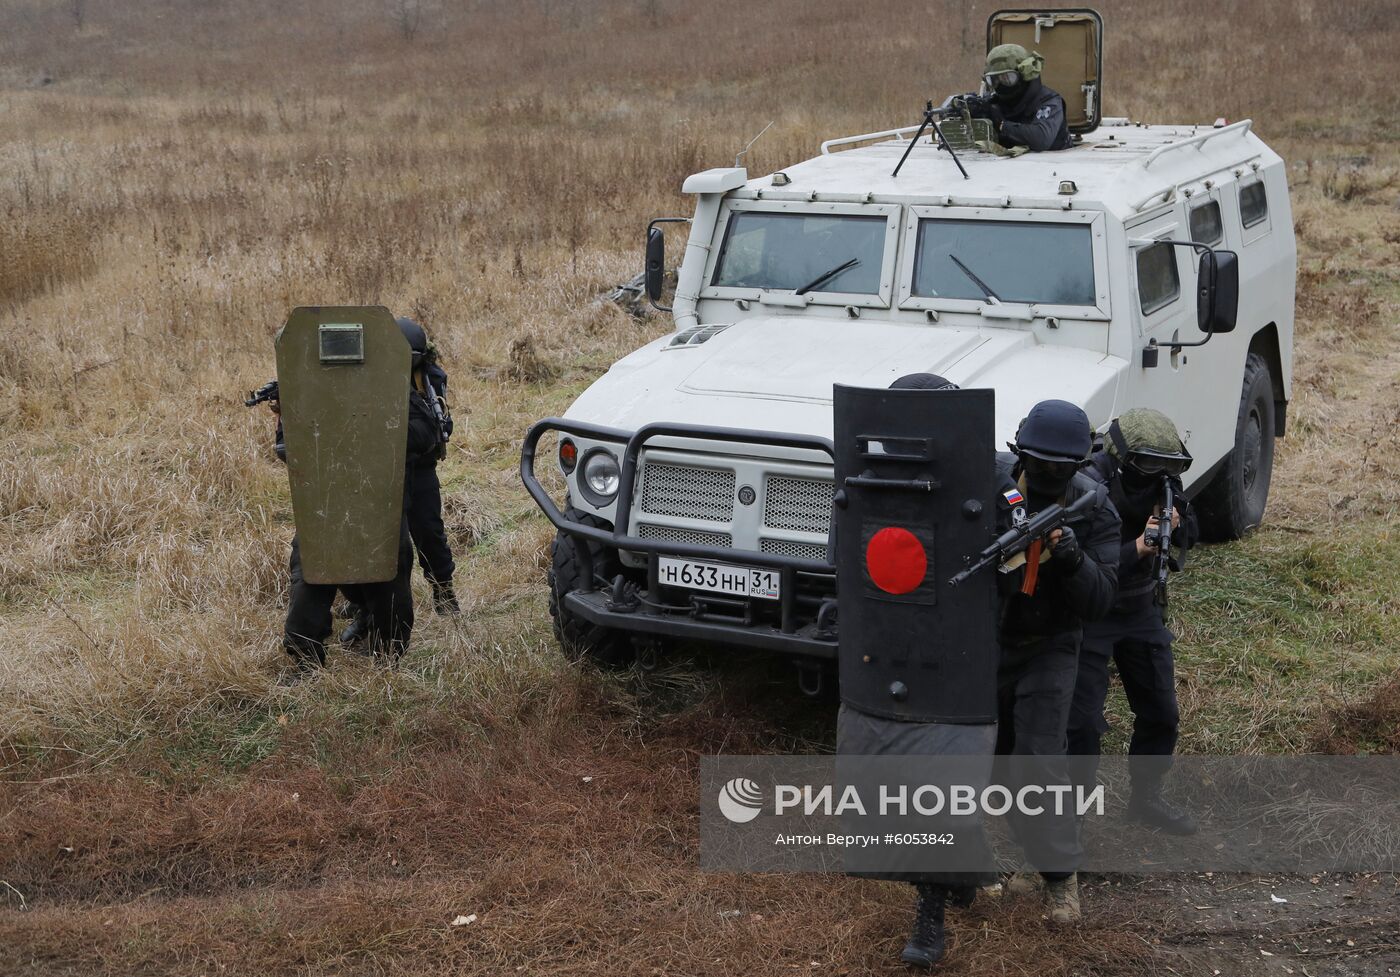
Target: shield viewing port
{"points": [[342, 342]]}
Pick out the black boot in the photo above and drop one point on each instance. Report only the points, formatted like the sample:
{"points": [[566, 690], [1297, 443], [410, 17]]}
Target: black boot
{"points": [[353, 637], [445, 600], [307, 661], [1153, 809], [925, 946]]}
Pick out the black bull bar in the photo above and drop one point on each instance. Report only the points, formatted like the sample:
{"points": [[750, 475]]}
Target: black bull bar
{"points": [[791, 635]]}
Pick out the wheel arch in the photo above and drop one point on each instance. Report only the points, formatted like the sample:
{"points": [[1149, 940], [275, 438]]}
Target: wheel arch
{"points": [[1265, 343]]}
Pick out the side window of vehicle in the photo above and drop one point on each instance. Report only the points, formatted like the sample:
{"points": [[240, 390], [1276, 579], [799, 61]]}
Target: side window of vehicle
{"points": [[1254, 205], [1206, 226], [1158, 281]]}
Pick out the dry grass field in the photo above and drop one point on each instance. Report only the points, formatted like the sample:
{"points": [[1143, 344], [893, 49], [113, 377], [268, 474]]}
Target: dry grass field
{"points": [[176, 174]]}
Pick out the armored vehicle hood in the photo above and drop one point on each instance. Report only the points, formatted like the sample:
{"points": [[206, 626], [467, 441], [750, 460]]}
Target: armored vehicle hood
{"points": [[776, 373]]}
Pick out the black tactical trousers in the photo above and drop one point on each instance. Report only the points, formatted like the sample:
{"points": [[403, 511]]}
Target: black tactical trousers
{"points": [[425, 524], [389, 607], [1035, 684], [1141, 648]]}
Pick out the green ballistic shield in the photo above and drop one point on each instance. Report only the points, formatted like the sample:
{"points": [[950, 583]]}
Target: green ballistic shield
{"points": [[343, 372]]}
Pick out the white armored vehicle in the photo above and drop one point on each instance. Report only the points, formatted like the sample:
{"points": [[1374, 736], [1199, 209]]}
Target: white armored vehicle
{"points": [[1146, 266]]}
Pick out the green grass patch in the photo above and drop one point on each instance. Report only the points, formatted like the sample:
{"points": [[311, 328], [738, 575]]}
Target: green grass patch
{"points": [[1275, 632]]}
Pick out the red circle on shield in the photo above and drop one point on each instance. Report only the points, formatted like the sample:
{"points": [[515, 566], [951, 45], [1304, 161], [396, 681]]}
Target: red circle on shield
{"points": [[896, 560]]}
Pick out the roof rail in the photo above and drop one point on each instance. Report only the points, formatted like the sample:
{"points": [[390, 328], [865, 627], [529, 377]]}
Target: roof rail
{"points": [[1197, 141], [865, 137]]}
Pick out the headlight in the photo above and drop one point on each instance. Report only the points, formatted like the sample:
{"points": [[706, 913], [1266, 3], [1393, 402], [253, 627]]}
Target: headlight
{"points": [[568, 455], [601, 475]]}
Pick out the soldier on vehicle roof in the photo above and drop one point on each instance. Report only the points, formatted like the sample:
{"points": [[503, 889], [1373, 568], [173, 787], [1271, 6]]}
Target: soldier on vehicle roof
{"points": [[1022, 109], [1143, 450]]}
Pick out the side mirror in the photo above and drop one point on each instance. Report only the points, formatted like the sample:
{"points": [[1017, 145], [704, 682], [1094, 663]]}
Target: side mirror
{"points": [[656, 262], [1217, 292]]}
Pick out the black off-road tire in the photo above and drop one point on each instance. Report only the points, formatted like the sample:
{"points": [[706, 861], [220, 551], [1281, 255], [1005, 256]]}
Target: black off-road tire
{"points": [[1233, 503], [581, 640]]}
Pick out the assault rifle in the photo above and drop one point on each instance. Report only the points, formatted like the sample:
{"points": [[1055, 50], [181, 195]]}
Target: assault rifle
{"points": [[266, 392], [1159, 537], [1019, 538], [430, 394]]}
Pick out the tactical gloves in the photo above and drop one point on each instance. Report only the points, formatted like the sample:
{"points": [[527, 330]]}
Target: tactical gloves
{"points": [[1066, 552]]}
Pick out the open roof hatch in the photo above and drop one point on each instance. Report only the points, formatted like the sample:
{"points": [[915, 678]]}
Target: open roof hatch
{"points": [[1071, 41]]}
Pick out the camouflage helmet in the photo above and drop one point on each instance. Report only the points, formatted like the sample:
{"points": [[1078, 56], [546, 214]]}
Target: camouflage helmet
{"points": [[1013, 57], [1148, 440]]}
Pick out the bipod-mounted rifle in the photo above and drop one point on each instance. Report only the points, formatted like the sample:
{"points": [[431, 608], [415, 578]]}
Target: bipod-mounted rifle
{"points": [[930, 119]]}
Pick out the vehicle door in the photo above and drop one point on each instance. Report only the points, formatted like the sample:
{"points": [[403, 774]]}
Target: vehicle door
{"points": [[1164, 309]]}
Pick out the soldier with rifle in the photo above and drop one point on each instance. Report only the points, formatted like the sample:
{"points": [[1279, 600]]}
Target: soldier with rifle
{"points": [[349, 425], [1047, 592], [917, 662], [1141, 464], [423, 490], [1025, 114]]}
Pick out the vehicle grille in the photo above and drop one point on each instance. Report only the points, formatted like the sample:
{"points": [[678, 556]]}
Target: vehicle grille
{"points": [[802, 504], [688, 492], [789, 547], [674, 534]]}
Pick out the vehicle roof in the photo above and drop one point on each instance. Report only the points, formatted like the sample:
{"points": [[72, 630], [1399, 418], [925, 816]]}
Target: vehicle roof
{"points": [[1123, 169]]}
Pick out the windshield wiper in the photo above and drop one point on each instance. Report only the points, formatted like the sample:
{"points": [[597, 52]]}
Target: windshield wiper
{"points": [[991, 297], [827, 276]]}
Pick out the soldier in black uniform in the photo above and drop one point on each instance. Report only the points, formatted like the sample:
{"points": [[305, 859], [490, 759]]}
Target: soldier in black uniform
{"points": [[958, 720], [1022, 109], [422, 488], [425, 500], [386, 609], [1045, 600], [1142, 451]]}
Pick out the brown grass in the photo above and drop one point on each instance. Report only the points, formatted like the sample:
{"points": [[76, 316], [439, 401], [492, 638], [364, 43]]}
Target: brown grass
{"points": [[191, 170], [293, 872]]}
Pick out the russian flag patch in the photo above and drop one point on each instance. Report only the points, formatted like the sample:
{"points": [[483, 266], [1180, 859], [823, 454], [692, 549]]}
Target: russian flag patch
{"points": [[1013, 496]]}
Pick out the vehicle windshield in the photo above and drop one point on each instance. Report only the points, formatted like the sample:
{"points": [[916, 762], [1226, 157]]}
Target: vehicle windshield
{"points": [[788, 251], [1021, 261]]}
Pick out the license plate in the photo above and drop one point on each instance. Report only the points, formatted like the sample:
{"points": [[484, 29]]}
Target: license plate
{"points": [[719, 578]]}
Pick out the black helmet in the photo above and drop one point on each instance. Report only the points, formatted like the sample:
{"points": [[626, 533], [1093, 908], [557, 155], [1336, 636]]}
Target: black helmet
{"points": [[417, 338], [923, 381], [1055, 430]]}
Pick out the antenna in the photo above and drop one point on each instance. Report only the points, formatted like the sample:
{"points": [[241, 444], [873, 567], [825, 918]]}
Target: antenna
{"points": [[739, 159]]}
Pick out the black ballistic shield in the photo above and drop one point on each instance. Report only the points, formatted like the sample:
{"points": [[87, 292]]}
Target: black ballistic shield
{"points": [[914, 495]]}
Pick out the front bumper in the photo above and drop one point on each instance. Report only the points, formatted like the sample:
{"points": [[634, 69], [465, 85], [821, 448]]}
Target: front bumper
{"points": [[800, 624], [807, 640]]}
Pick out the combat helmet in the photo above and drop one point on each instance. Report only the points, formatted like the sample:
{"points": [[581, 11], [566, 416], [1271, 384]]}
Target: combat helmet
{"points": [[1055, 430], [1147, 440], [923, 381], [417, 338], [1010, 66]]}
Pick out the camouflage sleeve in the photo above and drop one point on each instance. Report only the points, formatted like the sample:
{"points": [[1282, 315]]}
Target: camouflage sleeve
{"points": [[1038, 135]]}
